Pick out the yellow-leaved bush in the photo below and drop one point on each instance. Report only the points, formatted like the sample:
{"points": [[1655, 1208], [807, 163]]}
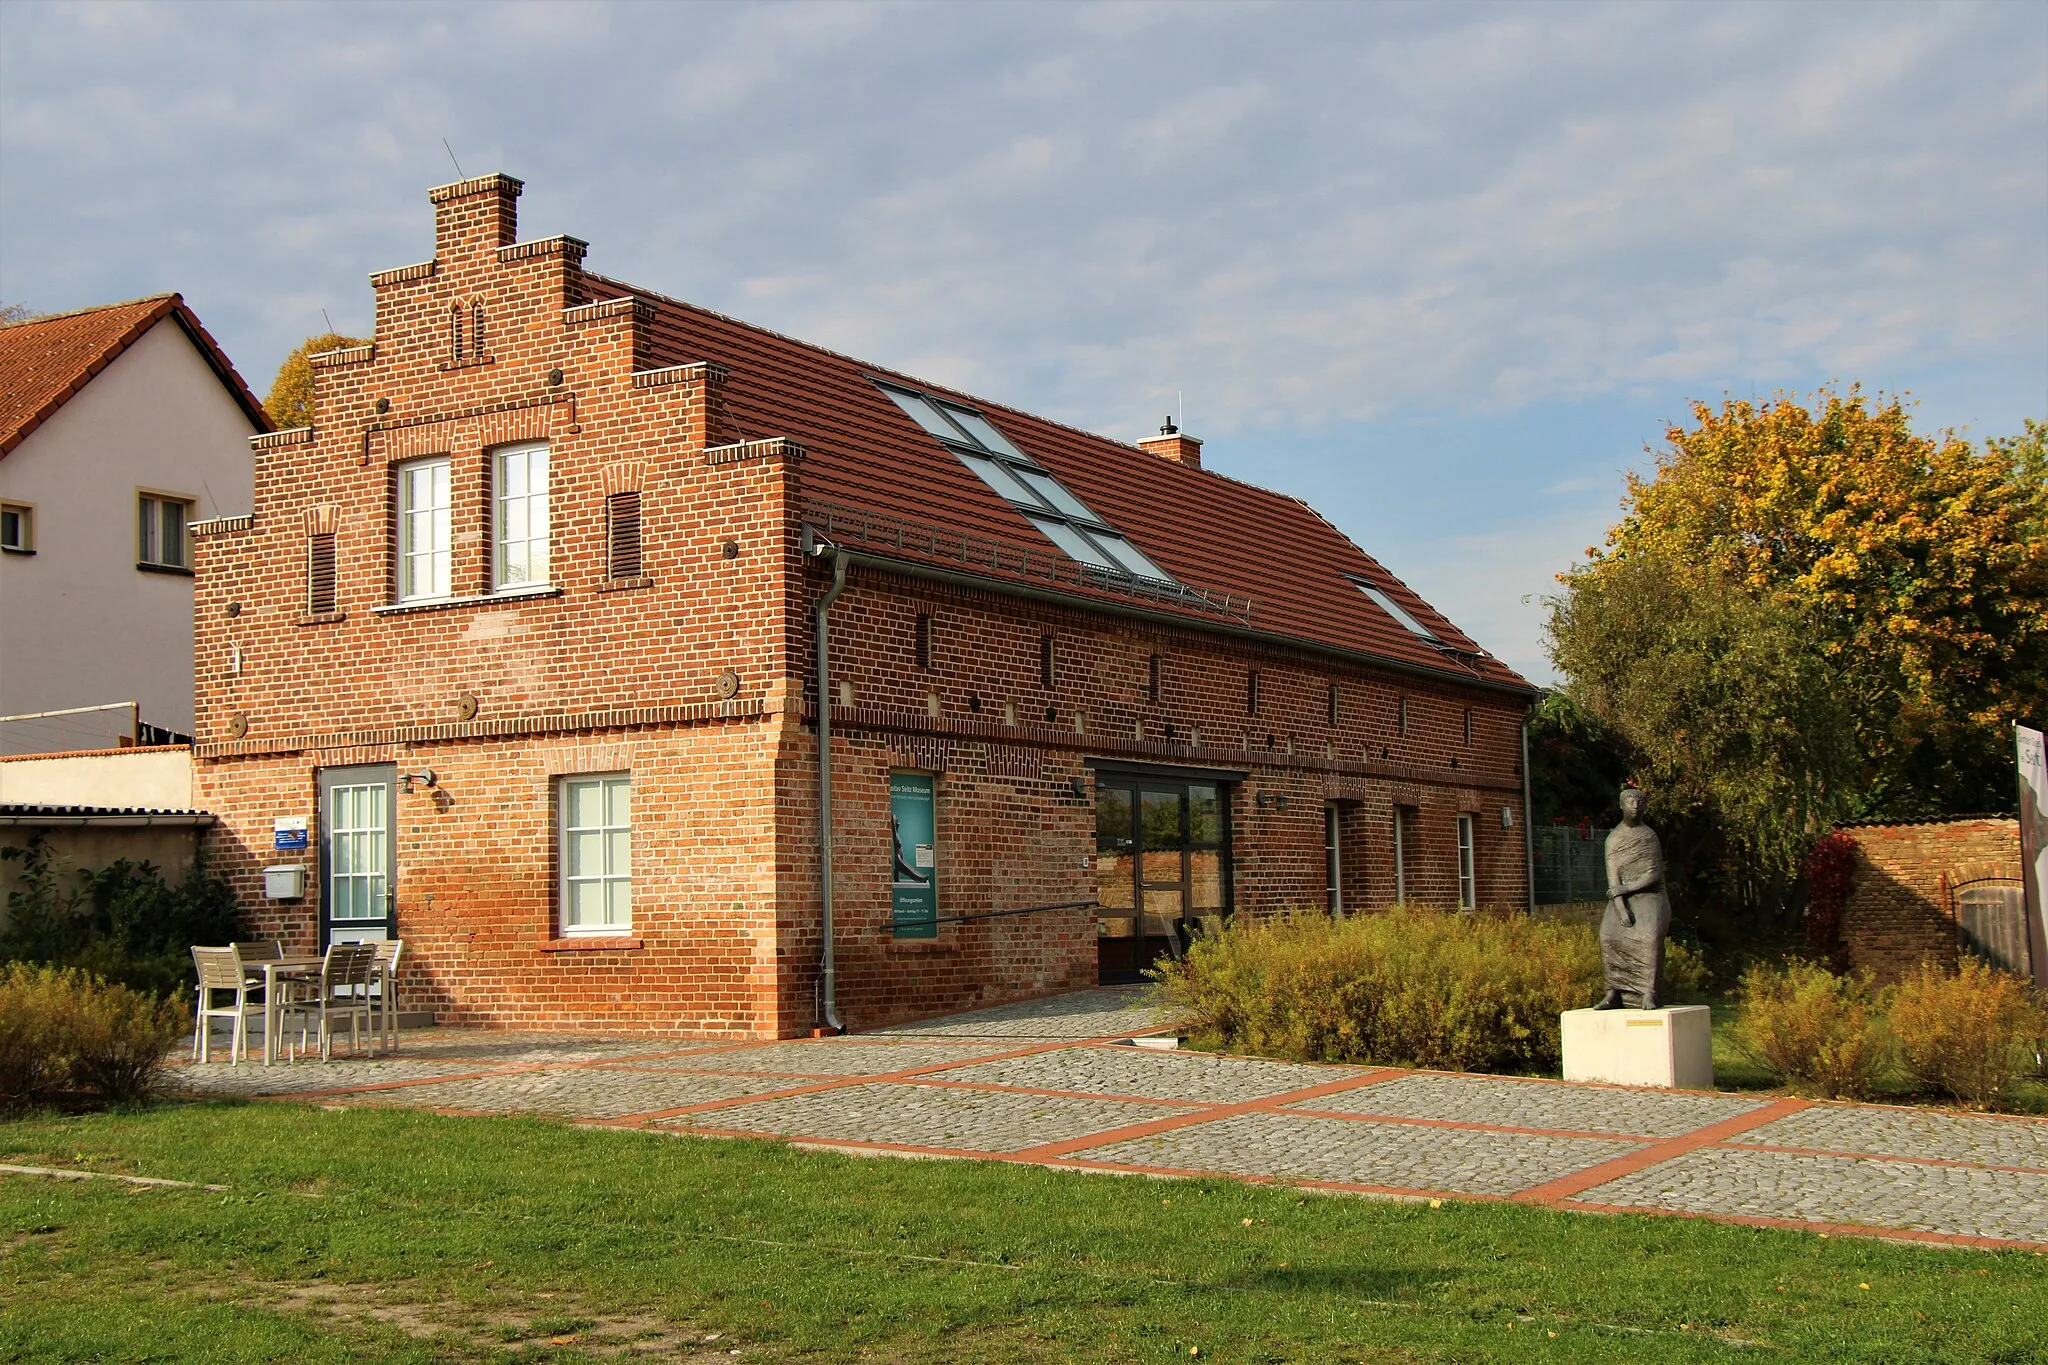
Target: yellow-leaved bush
{"points": [[66, 1035], [1812, 1028], [1406, 986], [1969, 1034]]}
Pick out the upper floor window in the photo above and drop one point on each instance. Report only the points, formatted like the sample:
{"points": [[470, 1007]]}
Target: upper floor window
{"points": [[520, 531], [424, 555], [1060, 516], [160, 531], [17, 528]]}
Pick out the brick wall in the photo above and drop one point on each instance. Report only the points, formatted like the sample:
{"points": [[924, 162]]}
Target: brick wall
{"points": [[695, 677], [1901, 906]]}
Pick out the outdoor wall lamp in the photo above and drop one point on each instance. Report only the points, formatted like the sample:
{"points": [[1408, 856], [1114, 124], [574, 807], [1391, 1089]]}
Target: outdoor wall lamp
{"points": [[425, 777]]}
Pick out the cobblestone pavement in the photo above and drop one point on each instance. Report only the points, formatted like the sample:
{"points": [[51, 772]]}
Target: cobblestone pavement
{"points": [[1047, 1081], [1525, 1104]]}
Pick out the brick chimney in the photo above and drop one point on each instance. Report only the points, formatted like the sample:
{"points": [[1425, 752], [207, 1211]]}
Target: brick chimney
{"points": [[474, 216], [1174, 444]]}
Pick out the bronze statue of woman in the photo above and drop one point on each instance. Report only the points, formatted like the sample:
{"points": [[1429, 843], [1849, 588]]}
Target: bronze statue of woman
{"points": [[1638, 912]]}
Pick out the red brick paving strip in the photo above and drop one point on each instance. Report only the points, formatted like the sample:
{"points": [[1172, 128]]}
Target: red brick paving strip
{"points": [[1206, 1114], [1656, 1153]]}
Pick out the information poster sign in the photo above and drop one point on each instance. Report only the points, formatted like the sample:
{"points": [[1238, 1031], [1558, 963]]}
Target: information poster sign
{"points": [[288, 832], [2033, 775], [913, 840]]}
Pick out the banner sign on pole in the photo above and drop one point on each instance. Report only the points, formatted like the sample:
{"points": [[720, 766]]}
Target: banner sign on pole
{"points": [[2033, 778], [913, 840]]}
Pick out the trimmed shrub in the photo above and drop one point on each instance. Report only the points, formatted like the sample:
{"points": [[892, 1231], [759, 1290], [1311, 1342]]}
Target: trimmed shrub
{"points": [[1404, 987], [1812, 1028], [65, 1034], [1969, 1035]]}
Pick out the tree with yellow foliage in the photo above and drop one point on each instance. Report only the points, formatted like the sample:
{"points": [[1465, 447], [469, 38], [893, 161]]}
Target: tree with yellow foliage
{"points": [[290, 401], [1813, 613]]}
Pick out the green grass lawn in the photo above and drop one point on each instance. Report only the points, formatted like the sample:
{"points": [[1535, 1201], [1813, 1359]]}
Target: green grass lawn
{"points": [[354, 1234]]}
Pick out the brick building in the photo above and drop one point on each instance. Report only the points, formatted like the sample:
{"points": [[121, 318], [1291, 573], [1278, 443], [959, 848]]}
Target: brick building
{"points": [[524, 630], [1929, 889]]}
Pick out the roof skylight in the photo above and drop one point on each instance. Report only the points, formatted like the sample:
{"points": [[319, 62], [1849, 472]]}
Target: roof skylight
{"points": [[1026, 485], [1393, 609]]}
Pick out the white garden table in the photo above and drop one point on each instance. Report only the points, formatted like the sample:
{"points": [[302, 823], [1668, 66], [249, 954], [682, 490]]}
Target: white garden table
{"points": [[277, 971]]}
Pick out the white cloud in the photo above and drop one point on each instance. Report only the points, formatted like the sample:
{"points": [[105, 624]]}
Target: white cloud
{"points": [[1305, 217]]}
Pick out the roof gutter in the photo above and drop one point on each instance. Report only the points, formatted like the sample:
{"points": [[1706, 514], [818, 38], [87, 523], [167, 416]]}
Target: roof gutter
{"points": [[828, 969], [910, 568], [110, 820]]}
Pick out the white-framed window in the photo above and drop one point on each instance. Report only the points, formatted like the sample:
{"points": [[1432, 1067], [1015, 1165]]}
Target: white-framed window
{"points": [[160, 539], [1467, 882], [519, 532], [17, 528], [1333, 859], [425, 560], [1400, 853], [596, 854]]}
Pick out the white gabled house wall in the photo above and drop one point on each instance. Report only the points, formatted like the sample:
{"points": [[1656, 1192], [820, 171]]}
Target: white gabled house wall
{"points": [[80, 624]]}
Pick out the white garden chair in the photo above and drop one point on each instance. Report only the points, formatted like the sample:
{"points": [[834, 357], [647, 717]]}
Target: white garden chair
{"points": [[220, 970], [384, 980], [341, 991]]}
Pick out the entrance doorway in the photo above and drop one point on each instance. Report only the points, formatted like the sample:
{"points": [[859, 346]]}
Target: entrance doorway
{"points": [[358, 853], [1162, 867]]}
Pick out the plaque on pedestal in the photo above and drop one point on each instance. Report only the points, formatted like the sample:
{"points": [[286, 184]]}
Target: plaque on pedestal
{"points": [[1673, 1048]]}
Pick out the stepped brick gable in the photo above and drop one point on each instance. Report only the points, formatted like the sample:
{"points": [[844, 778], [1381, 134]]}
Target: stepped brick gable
{"points": [[554, 541]]}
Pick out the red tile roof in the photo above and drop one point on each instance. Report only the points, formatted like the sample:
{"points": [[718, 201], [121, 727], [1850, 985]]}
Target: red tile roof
{"points": [[1297, 571], [44, 361]]}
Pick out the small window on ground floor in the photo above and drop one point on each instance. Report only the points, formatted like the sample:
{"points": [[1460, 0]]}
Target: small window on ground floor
{"points": [[1400, 831], [1467, 880], [1333, 859], [597, 854]]}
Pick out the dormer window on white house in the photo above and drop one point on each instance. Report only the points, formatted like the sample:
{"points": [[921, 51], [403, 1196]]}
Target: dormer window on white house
{"points": [[1026, 485]]}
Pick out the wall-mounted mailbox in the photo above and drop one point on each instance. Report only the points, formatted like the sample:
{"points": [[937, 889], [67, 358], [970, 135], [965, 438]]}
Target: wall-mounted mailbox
{"points": [[284, 883]]}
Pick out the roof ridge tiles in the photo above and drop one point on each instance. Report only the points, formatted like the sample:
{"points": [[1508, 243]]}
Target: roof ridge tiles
{"points": [[40, 318], [45, 361]]}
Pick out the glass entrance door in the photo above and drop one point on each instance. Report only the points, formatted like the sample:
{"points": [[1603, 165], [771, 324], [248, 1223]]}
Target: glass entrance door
{"points": [[358, 853], [1161, 869]]}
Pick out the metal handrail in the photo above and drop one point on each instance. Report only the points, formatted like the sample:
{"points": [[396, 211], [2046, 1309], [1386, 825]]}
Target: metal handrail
{"points": [[1027, 910], [941, 543]]}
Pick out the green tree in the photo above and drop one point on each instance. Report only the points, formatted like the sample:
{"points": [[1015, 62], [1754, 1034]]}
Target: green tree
{"points": [[290, 401], [1811, 613]]}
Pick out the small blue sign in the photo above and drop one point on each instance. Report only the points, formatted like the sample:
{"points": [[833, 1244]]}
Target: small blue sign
{"points": [[288, 832]]}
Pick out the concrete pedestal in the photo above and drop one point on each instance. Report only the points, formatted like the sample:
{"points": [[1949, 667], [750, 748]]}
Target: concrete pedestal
{"points": [[1673, 1048]]}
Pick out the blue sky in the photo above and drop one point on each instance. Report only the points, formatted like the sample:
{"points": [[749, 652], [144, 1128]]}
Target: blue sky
{"points": [[1442, 270]]}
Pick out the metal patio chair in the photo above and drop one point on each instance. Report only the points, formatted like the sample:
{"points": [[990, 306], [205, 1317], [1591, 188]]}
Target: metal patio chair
{"points": [[341, 991], [384, 981], [220, 970]]}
